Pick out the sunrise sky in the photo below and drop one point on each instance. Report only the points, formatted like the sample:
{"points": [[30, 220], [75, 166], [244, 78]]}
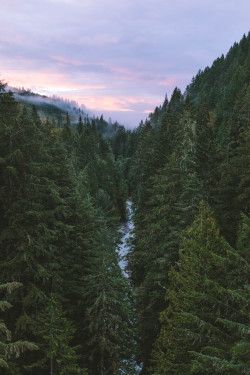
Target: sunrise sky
{"points": [[116, 57]]}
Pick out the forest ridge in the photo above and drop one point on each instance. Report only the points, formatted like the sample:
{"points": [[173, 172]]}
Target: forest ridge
{"points": [[66, 307]]}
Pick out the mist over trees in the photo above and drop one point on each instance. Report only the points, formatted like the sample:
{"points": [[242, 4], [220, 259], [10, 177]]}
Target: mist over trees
{"points": [[184, 307]]}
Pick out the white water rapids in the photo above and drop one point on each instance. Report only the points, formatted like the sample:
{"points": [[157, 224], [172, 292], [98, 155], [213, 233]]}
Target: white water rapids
{"points": [[123, 249], [125, 230]]}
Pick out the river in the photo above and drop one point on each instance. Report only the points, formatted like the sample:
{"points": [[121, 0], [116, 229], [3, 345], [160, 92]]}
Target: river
{"points": [[126, 232]]}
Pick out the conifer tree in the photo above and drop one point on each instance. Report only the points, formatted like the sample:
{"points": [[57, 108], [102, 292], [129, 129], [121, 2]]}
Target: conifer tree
{"points": [[144, 163], [33, 209], [204, 301], [80, 125], [57, 355], [172, 201], [108, 319], [10, 349], [205, 150], [67, 134], [232, 193]]}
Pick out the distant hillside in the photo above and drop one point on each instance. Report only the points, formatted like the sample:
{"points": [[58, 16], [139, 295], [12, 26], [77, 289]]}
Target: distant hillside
{"points": [[194, 148], [54, 108]]}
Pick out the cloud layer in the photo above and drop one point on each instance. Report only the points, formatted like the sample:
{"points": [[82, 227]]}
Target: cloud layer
{"points": [[119, 58]]}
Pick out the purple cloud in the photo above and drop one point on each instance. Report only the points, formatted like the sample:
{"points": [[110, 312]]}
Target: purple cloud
{"points": [[119, 58]]}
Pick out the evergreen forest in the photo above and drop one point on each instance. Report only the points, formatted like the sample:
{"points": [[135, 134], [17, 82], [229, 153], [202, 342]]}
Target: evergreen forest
{"points": [[182, 307]]}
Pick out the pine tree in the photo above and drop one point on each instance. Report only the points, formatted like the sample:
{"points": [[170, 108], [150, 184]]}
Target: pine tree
{"points": [[172, 201], [33, 210], [67, 134], [55, 335], [80, 125], [232, 193], [108, 319], [205, 149], [206, 299], [10, 349], [144, 163]]}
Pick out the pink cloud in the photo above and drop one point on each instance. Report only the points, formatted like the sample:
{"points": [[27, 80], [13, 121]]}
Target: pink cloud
{"points": [[103, 102], [139, 100], [169, 82], [47, 81], [111, 103], [38, 80], [65, 61], [126, 74]]}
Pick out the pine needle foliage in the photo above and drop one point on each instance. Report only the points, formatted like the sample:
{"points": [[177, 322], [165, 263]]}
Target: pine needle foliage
{"points": [[206, 322], [8, 349]]}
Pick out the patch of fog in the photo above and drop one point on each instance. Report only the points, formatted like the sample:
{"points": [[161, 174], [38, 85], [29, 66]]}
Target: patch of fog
{"points": [[70, 106]]}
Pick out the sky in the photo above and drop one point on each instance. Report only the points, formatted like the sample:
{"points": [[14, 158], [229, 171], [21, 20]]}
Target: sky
{"points": [[116, 57]]}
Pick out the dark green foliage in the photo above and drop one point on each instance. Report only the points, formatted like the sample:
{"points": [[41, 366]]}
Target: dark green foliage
{"points": [[55, 335], [170, 203], [144, 163], [193, 147], [59, 189], [232, 193], [80, 126], [204, 329], [33, 226], [10, 349], [224, 90], [108, 319], [63, 194]]}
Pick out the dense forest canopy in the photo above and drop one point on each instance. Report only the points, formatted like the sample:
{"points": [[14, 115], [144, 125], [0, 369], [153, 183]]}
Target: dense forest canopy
{"points": [[184, 307]]}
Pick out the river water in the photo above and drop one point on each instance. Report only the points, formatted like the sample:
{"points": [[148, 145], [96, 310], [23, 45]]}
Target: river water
{"points": [[126, 233]]}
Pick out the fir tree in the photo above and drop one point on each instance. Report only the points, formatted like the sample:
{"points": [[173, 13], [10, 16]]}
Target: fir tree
{"points": [[55, 335], [10, 349], [204, 301], [108, 319]]}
